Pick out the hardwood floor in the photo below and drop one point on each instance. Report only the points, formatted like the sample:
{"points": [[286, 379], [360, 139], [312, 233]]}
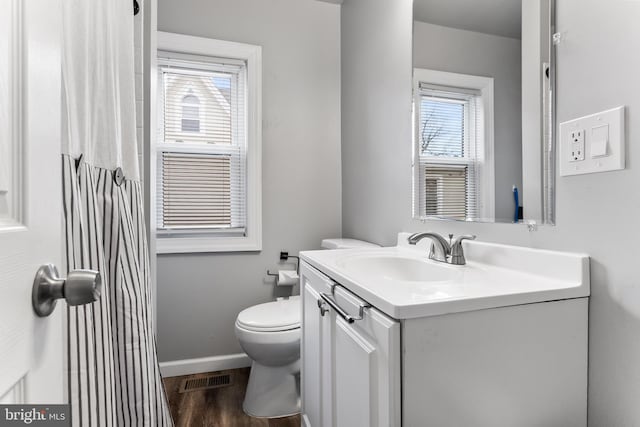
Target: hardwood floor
{"points": [[218, 407]]}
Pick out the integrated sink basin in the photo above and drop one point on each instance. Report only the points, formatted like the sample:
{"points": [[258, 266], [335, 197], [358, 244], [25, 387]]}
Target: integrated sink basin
{"points": [[404, 283], [399, 268]]}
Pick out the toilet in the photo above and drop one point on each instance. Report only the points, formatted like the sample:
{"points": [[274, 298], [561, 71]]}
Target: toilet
{"points": [[270, 335]]}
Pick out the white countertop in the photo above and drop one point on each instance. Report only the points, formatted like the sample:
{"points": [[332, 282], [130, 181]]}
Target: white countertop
{"points": [[495, 276]]}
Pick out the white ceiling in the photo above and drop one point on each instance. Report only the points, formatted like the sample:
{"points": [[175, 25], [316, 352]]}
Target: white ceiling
{"points": [[498, 17]]}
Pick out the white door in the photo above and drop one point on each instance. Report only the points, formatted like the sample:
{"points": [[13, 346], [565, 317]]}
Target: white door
{"points": [[31, 348]]}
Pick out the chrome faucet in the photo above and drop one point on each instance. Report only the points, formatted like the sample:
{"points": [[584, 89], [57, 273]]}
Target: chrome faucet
{"points": [[441, 249]]}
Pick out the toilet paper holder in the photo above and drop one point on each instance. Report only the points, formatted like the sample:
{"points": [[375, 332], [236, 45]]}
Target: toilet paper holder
{"points": [[284, 256]]}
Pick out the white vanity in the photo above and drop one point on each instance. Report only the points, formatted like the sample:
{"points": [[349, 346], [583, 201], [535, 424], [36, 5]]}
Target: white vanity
{"points": [[391, 338]]}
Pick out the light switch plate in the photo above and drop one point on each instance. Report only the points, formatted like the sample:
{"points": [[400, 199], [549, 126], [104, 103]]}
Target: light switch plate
{"points": [[604, 144]]}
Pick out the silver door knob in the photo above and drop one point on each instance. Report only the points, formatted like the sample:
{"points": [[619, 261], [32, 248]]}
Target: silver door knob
{"points": [[79, 288]]}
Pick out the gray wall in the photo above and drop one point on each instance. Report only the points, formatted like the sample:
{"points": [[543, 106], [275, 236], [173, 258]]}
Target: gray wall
{"points": [[199, 295], [376, 124], [486, 55], [598, 68]]}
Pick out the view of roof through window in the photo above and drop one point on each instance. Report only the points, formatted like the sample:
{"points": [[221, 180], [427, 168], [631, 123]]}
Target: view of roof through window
{"points": [[198, 107]]}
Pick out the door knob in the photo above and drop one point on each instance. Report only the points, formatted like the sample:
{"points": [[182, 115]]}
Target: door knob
{"points": [[79, 288]]}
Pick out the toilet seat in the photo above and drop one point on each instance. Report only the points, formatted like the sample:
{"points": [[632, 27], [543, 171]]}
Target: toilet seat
{"points": [[276, 316]]}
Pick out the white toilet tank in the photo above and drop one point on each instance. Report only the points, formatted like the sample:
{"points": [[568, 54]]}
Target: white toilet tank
{"points": [[346, 244]]}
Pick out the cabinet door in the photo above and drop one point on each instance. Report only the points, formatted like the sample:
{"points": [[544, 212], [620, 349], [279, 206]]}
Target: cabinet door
{"points": [[350, 372], [316, 351], [366, 382]]}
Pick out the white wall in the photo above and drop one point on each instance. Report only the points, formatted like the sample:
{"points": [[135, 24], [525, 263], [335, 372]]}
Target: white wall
{"points": [[199, 295], [598, 68], [535, 51], [486, 55], [138, 41], [149, 32]]}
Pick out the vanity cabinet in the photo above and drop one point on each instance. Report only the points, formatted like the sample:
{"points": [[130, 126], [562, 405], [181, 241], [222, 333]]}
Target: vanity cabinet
{"points": [[517, 365], [350, 371]]}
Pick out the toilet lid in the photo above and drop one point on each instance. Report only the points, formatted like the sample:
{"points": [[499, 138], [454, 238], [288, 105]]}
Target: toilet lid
{"points": [[273, 316]]}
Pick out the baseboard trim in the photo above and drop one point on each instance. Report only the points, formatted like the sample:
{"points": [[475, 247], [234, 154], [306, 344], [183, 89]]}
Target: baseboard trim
{"points": [[175, 368]]}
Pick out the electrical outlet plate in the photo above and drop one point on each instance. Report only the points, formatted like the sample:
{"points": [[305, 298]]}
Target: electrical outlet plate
{"points": [[576, 137], [593, 143]]}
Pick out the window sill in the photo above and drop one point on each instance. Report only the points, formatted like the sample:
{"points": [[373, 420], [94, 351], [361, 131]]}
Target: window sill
{"points": [[178, 245]]}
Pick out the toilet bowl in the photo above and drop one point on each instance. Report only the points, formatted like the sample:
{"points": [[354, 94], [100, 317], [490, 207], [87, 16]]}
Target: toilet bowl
{"points": [[270, 335]]}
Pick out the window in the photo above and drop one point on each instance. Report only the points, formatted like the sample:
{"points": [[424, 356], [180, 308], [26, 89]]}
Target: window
{"points": [[207, 148], [453, 146], [190, 113]]}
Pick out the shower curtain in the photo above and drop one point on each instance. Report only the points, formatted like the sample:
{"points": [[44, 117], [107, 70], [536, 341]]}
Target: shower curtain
{"points": [[113, 376]]}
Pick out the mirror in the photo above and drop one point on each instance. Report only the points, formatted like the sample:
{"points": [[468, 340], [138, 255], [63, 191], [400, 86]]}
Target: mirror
{"points": [[483, 80]]}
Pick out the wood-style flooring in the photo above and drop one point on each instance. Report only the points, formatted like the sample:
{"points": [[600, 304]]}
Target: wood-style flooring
{"points": [[218, 407]]}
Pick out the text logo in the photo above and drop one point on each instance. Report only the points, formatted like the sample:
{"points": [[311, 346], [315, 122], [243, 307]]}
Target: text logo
{"points": [[34, 415]]}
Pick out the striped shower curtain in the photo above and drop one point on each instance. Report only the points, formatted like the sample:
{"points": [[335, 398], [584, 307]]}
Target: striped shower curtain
{"points": [[113, 374]]}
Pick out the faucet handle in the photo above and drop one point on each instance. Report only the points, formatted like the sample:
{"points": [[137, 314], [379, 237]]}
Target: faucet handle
{"points": [[457, 253], [459, 239]]}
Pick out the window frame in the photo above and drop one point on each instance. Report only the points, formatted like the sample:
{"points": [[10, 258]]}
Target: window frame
{"points": [[214, 240], [485, 85]]}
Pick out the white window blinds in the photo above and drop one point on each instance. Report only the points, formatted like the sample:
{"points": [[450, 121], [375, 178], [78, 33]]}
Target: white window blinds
{"points": [[202, 152], [450, 139]]}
